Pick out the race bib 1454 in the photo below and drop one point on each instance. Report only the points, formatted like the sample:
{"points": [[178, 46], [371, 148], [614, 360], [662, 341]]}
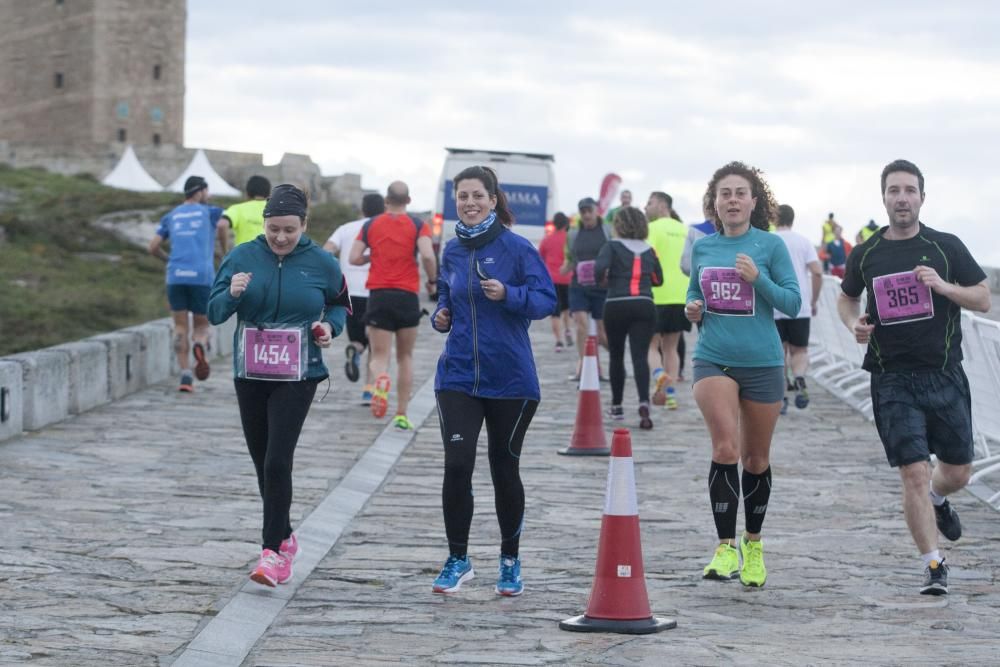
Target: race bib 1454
{"points": [[271, 353]]}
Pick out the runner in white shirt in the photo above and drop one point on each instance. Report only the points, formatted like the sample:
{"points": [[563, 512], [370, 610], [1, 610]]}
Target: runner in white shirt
{"points": [[357, 276], [794, 332]]}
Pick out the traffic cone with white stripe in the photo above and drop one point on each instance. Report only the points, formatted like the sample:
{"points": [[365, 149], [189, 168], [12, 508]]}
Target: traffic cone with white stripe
{"points": [[618, 600], [592, 336], [588, 433]]}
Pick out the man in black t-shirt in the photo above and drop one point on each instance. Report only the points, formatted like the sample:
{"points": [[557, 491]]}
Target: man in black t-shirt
{"points": [[917, 282]]}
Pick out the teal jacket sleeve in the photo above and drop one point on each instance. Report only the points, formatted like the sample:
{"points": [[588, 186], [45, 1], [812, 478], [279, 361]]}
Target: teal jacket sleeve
{"points": [[781, 290], [694, 285], [221, 304], [335, 313], [536, 298]]}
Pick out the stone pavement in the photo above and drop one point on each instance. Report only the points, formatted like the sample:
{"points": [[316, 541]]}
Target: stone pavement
{"points": [[125, 530]]}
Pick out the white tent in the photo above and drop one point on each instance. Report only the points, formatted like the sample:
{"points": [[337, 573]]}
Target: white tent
{"points": [[129, 174], [200, 166]]}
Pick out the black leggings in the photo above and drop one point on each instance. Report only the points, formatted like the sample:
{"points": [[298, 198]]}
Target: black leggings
{"points": [[272, 414], [507, 420], [634, 319]]}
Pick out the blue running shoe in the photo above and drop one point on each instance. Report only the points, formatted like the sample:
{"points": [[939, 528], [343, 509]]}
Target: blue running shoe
{"points": [[455, 572], [509, 581], [801, 395]]}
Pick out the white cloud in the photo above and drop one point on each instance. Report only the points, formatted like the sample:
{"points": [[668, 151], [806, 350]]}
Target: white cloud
{"points": [[660, 96]]}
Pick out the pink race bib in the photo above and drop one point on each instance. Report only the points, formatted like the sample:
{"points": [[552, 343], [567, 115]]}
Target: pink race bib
{"points": [[272, 354], [585, 273], [901, 298], [726, 293]]}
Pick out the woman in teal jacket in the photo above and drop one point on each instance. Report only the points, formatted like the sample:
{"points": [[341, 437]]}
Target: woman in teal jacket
{"points": [[289, 298], [491, 285], [739, 275]]}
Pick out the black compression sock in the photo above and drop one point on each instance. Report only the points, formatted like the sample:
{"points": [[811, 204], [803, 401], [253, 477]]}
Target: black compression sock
{"points": [[724, 492], [757, 491]]}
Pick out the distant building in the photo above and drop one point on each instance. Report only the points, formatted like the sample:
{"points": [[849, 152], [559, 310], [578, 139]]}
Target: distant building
{"points": [[83, 79], [85, 73]]}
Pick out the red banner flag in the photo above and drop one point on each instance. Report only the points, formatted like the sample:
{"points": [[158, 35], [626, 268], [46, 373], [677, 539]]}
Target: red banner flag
{"points": [[609, 188]]}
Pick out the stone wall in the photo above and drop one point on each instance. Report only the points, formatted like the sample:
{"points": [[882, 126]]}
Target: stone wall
{"points": [[46, 386]]}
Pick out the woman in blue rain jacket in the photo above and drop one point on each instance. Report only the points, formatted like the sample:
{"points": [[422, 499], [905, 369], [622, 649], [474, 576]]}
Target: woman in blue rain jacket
{"points": [[491, 285]]}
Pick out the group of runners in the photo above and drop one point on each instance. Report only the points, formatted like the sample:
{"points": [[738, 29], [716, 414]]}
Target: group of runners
{"points": [[644, 278]]}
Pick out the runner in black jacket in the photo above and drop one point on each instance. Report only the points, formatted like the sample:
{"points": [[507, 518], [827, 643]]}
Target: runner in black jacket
{"points": [[630, 268]]}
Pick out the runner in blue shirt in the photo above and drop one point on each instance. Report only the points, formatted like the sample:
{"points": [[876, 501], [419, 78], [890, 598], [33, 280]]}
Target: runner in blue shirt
{"points": [[738, 277], [190, 231]]}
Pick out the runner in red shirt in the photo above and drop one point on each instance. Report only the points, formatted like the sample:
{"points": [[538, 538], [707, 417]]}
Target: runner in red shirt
{"points": [[552, 250], [395, 238]]}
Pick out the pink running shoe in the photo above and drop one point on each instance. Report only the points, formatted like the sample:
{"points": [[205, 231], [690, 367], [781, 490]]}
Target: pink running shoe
{"points": [[290, 548], [272, 569]]}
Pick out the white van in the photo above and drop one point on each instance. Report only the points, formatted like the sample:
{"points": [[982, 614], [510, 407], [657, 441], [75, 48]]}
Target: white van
{"points": [[528, 180]]}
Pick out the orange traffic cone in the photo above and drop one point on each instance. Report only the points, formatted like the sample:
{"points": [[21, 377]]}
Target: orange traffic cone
{"points": [[618, 601], [588, 434]]}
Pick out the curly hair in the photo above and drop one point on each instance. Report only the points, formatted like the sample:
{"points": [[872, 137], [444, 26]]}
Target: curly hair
{"points": [[631, 223], [763, 214]]}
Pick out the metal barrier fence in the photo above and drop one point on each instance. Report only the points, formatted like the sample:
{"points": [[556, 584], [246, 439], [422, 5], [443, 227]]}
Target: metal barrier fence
{"points": [[835, 363]]}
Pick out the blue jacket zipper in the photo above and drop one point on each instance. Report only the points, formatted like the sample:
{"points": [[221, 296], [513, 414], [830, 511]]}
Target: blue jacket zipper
{"points": [[475, 342]]}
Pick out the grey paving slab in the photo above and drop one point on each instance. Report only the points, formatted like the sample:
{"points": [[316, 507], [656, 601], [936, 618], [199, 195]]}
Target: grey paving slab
{"points": [[843, 573], [126, 529], [240, 624]]}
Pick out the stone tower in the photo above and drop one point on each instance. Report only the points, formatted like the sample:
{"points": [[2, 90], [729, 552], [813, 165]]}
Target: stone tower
{"points": [[83, 74]]}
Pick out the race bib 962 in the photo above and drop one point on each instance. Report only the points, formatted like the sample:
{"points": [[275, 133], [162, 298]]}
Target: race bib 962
{"points": [[726, 293]]}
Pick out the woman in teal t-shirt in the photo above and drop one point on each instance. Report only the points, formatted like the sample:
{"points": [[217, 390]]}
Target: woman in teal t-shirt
{"points": [[739, 275]]}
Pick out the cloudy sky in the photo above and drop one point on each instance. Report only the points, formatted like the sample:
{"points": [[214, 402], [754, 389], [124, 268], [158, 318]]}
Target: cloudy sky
{"points": [[819, 95]]}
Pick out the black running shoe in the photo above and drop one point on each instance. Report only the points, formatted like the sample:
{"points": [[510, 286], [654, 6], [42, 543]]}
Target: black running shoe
{"points": [[935, 579], [352, 367], [645, 423], [947, 521]]}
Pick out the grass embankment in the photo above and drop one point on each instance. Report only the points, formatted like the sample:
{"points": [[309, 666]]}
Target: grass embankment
{"points": [[63, 279]]}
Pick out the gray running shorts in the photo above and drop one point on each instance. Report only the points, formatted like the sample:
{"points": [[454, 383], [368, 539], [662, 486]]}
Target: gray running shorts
{"points": [[761, 385]]}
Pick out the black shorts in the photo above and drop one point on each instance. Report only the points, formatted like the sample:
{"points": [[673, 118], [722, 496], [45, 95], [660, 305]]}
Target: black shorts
{"points": [[562, 299], [356, 320], [392, 309], [922, 412], [670, 318], [794, 332]]}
